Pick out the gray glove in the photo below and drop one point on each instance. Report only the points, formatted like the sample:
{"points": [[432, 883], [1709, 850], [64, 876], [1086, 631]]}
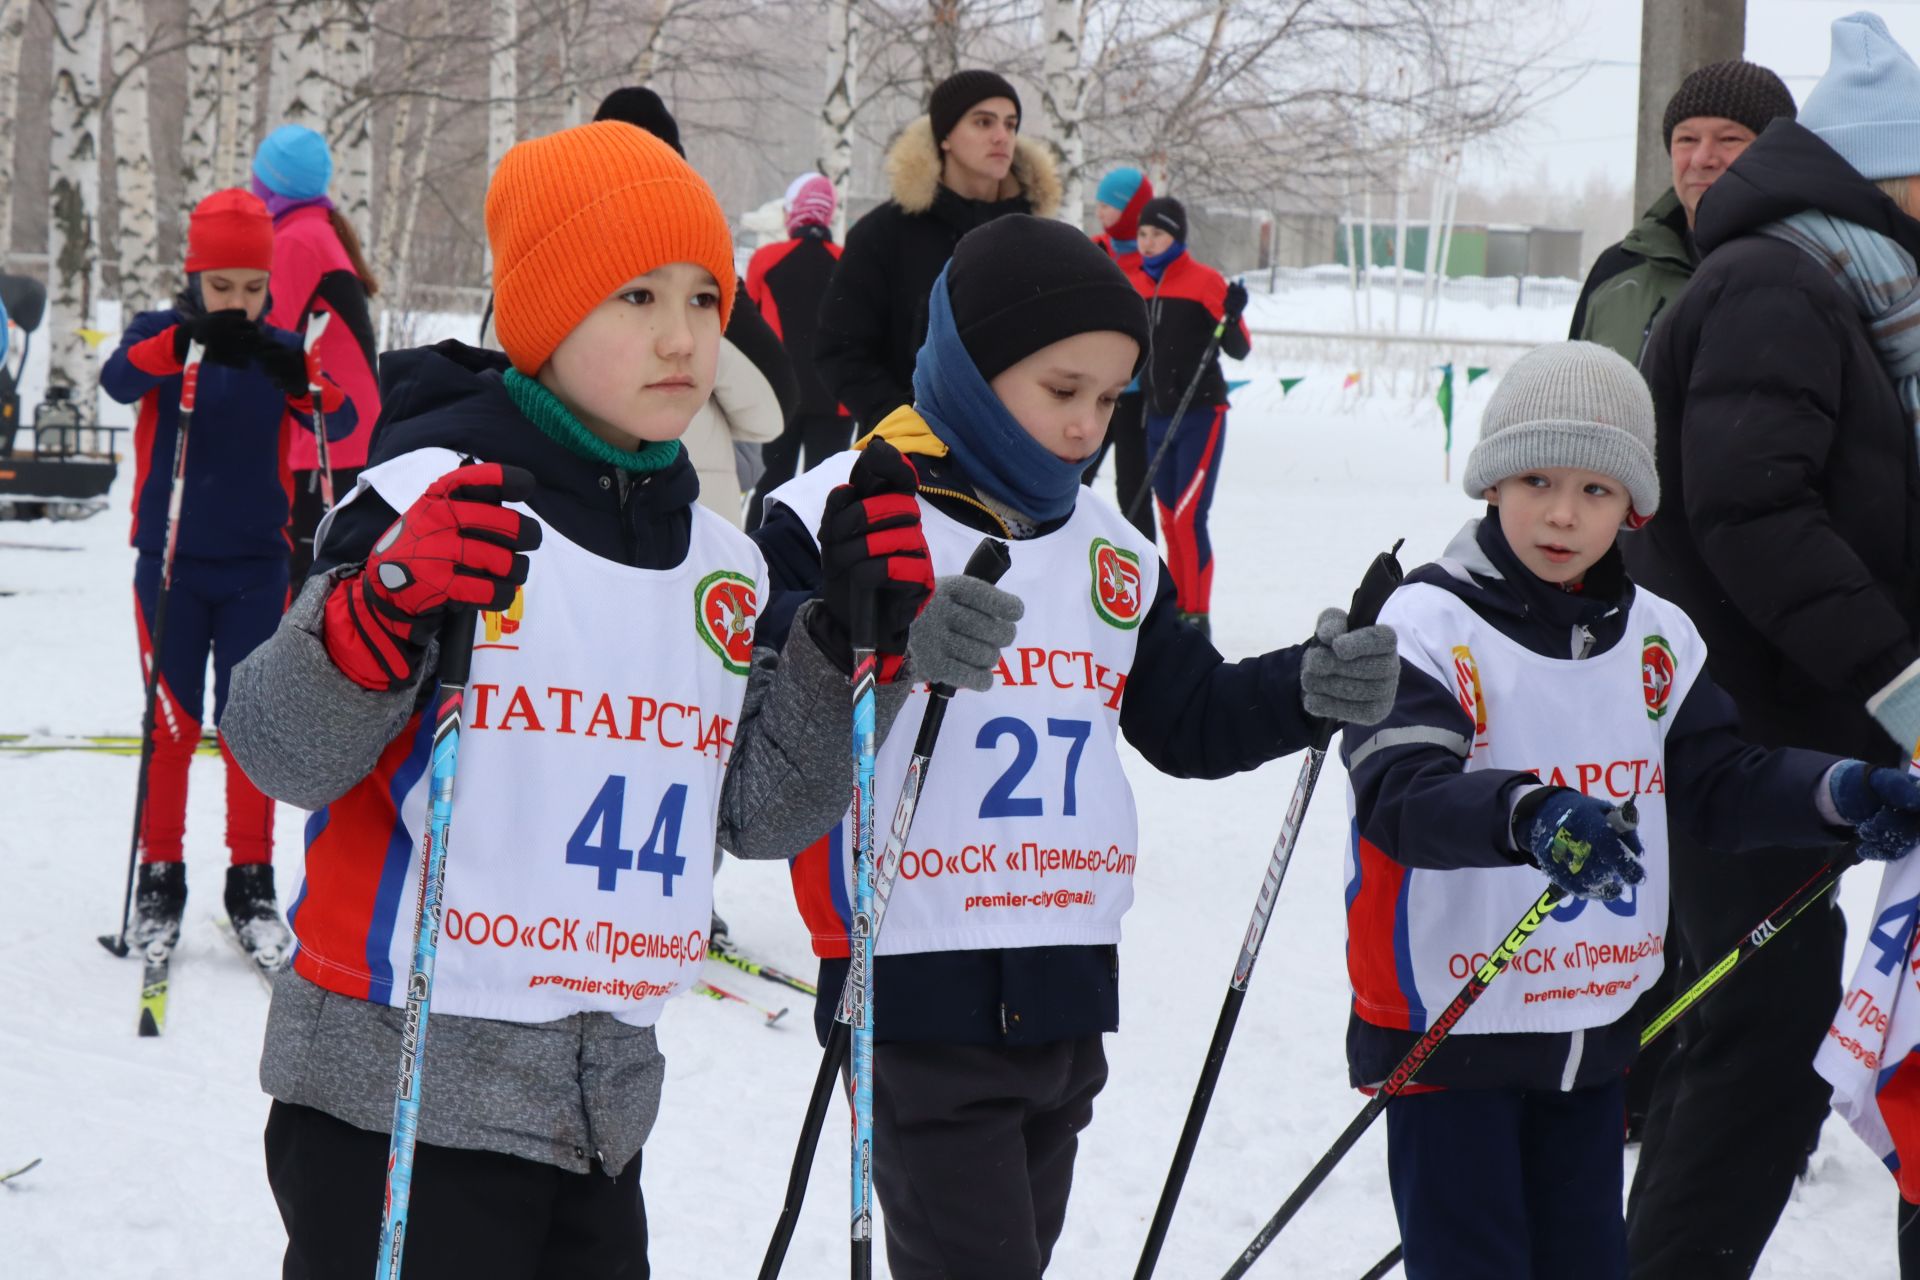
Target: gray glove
{"points": [[1350, 676], [958, 637]]}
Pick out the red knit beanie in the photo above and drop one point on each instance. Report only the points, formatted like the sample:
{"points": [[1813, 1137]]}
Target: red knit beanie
{"points": [[230, 229]]}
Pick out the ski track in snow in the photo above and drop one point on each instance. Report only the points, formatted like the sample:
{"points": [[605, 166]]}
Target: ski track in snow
{"points": [[153, 1147]]}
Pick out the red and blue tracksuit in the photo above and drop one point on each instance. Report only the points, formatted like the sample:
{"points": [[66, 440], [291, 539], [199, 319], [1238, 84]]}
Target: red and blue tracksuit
{"points": [[229, 581], [1185, 300]]}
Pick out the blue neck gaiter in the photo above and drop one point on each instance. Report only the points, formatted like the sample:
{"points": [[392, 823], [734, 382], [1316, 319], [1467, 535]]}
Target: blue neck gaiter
{"points": [[998, 455], [1157, 265], [1123, 247]]}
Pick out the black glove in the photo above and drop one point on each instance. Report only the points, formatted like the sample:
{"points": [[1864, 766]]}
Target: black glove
{"points": [[286, 366], [870, 540], [228, 337], [1236, 301]]}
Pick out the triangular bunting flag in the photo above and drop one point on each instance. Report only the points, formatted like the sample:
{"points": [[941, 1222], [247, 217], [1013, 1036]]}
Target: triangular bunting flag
{"points": [[1288, 384], [1353, 380], [93, 337], [1476, 372]]}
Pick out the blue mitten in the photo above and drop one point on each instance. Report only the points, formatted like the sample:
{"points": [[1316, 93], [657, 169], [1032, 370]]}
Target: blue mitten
{"points": [[1882, 806], [1586, 846]]}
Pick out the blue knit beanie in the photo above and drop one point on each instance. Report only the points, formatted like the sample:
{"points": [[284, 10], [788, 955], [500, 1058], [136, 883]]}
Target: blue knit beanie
{"points": [[1118, 187], [1867, 106], [293, 161]]}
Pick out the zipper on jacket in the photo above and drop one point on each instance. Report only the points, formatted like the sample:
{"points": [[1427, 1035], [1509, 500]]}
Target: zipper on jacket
{"points": [[626, 486], [1582, 641]]}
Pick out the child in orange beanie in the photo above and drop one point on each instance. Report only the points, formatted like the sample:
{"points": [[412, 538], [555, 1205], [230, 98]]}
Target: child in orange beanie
{"points": [[619, 723]]}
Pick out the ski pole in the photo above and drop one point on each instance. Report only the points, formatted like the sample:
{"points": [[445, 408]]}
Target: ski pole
{"points": [[988, 562], [1179, 415], [317, 325], [1382, 576], [1379, 1270], [456, 659], [1403, 1072], [189, 390], [860, 942]]}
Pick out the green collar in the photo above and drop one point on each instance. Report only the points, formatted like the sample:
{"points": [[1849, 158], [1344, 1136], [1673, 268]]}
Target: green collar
{"points": [[556, 421]]}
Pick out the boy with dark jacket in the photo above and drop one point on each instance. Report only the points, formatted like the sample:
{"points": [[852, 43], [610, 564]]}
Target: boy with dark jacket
{"points": [[996, 976], [1540, 693], [228, 583], [1187, 302]]}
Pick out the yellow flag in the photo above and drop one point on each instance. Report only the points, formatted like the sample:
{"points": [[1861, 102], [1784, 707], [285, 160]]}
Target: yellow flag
{"points": [[93, 337]]}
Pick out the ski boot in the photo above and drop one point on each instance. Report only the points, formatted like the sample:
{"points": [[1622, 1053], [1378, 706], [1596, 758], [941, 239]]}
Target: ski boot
{"points": [[159, 900], [255, 914]]}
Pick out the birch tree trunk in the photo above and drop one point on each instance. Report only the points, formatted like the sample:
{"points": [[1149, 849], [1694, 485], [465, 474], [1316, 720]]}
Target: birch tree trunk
{"points": [[13, 26], [1063, 101], [836, 109], [299, 91], [200, 136], [142, 282], [647, 63], [238, 90], [350, 130], [940, 55], [503, 88], [73, 192]]}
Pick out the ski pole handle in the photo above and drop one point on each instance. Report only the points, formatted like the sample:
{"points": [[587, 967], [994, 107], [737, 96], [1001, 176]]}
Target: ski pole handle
{"points": [[456, 648], [190, 376], [989, 563], [1381, 579]]}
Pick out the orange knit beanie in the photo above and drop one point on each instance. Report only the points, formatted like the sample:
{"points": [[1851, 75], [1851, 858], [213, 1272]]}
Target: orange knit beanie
{"points": [[574, 215]]}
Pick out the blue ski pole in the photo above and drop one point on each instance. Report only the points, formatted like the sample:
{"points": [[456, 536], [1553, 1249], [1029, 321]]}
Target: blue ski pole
{"points": [[456, 658], [860, 967]]}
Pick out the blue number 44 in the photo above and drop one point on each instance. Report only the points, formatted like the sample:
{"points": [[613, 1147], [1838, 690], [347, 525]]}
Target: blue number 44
{"points": [[596, 841]]}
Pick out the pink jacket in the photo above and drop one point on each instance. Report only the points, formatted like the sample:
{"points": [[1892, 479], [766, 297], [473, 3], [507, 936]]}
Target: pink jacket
{"points": [[311, 271]]}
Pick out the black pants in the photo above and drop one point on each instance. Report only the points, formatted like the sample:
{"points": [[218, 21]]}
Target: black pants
{"points": [[1127, 442], [471, 1213], [819, 435], [973, 1150], [1737, 1106], [1506, 1183], [307, 510]]}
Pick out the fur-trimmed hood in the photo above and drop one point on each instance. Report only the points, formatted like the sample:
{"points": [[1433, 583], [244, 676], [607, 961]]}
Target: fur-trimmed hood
{"points": [[914, 164]]}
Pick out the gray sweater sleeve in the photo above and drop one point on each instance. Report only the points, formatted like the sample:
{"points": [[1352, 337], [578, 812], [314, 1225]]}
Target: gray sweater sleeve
{"points": [[300, 728], [791, 773]]}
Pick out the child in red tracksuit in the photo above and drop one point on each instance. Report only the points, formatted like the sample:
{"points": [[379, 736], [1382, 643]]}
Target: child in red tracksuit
{"points": [[228, 582], [1187, 299]]}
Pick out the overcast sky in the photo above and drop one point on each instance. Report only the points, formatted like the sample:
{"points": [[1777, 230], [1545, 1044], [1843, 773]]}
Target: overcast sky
{"points": [[1590, 127]]}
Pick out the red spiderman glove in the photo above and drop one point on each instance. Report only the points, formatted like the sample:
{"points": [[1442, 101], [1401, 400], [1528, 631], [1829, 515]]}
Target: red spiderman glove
{"points": [[456, 545], [870, 540]]}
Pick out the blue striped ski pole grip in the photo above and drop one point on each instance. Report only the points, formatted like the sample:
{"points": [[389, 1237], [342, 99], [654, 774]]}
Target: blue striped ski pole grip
{"points": [[860, 949], [456, 661]]}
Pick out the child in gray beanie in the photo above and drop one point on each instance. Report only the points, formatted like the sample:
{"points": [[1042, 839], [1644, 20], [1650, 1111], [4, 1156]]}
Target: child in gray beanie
{"points": [[1552, 720]]}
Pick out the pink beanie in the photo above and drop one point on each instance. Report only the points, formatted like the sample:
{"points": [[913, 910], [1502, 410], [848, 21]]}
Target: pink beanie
{"points": [[810, 200]]}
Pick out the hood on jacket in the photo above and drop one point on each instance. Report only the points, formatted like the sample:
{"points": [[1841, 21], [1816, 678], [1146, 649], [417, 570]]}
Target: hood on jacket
{"points": [[914, 163], [1481, 570], [1787, 170], [1661, 234]]}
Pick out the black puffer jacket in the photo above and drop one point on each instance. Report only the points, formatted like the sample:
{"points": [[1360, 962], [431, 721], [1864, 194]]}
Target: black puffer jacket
{"points": [[874, 317], [1789, 522]]}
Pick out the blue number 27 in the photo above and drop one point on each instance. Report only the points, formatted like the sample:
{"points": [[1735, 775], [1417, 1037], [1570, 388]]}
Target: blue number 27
{"points": [[1000, 802]]}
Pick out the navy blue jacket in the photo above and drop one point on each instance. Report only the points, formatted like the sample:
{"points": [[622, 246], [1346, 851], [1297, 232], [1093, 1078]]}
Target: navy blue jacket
{"points": [[1415, 803], [238, 493], [1187, 710]]}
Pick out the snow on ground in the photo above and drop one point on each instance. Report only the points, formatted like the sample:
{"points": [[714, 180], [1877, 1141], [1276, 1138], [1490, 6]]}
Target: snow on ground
{"points": [[153, 1150]]}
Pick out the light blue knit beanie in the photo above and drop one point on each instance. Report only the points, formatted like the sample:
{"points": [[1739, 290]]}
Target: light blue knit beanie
{"points": [[1118, 187], [1867, 106], [293, 162]]}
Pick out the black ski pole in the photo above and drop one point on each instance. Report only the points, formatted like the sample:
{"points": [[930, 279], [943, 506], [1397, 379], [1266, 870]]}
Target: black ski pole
{"points": [[1179, 415], [1382, 576], [1403, 1072], [189, 389], [988, 562], [1379, 1270]]}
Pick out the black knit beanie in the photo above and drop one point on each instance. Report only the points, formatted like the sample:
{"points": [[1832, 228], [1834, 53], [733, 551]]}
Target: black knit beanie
{"points": [[1167, 214], [953, 97], [643, 108], [1743, 92], [1020, 283]]}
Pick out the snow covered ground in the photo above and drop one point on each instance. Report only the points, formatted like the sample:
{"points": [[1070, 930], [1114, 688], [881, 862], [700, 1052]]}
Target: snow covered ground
{"points": [[152, 1147]]}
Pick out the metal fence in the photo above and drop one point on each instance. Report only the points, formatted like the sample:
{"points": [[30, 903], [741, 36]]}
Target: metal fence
{"points": [[1534, 292]]}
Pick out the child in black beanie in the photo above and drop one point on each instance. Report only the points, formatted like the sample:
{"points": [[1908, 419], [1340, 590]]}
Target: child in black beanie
{"points": [[996, 976]]}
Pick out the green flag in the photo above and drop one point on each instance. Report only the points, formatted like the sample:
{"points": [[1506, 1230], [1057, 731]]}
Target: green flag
{"points": [[1288, 384], [1476, 372], [1444, 397]]}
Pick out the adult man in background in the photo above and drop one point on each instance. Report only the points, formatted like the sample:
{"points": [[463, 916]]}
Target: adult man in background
{"points": [[1718, 111]]}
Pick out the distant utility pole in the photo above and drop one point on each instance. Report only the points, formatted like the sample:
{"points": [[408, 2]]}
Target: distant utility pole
{"points": [[1676, 38]]}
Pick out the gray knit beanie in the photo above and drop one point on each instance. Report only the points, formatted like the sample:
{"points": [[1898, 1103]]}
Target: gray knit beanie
{"points": [[1569, 404]]}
